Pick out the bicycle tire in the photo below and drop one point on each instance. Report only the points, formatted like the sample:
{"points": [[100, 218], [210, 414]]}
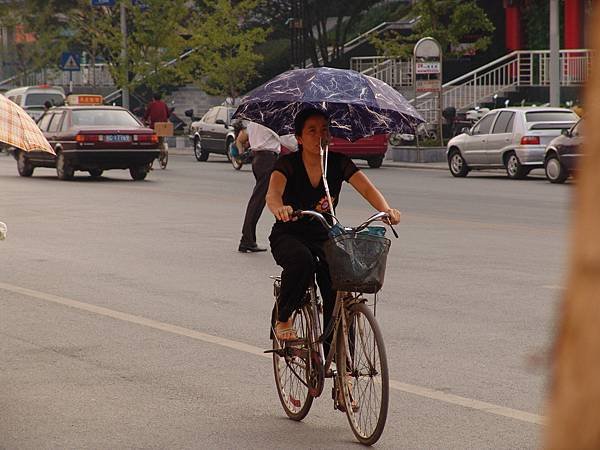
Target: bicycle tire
{"points": [[293, 394], [163, 158], [369, 374]]}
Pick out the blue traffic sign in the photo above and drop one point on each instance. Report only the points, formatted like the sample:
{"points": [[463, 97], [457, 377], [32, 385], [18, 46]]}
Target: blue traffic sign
{"points": [[103, 2], [70, 61]]}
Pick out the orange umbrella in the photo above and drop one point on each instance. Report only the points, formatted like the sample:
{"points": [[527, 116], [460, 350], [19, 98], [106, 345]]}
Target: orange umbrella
{"points": [[19, 130]]}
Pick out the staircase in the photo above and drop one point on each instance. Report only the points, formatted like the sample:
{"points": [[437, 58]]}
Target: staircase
{"points": [[521, 68], [89, 76]]}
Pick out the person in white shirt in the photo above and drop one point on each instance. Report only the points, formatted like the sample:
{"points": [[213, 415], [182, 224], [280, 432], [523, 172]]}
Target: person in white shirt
{"points": [[265, 145]]}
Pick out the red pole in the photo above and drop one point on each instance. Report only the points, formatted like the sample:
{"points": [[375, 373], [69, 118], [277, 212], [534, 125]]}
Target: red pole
{"points": [[573, 24], [513, 37]]}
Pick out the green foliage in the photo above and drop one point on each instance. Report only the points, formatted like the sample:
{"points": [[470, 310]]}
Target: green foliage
{"points": [[49, 29], [225, 61], [536, 27], [450, 22]]}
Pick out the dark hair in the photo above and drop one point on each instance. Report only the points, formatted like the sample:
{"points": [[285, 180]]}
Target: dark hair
{"points": [[47, 104], [156, 96], [304, 115], [237, 127]]}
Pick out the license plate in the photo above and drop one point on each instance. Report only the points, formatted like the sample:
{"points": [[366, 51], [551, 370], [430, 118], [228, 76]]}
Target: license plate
{"points": [[117, 138]]}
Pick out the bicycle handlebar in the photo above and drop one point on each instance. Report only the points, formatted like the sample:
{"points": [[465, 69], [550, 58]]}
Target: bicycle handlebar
{"points": [[381, 216]]}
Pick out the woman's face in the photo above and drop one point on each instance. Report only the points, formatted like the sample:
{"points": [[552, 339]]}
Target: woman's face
{"points": [[315, 128]]}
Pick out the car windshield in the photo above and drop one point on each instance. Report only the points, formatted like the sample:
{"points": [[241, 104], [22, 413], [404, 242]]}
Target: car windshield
{"points": [[551, 116], [104, 117], [43, 97], [230, 112]]}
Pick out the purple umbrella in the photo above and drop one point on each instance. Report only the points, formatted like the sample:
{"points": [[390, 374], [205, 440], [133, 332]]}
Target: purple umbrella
{"points": [[358, 105]]}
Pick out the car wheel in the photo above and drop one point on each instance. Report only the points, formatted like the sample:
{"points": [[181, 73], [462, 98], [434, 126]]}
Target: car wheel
{"points": [[138, 173], [457, 164], [200, 154], [375, 162], [24, 167], [514, 168], [556, 172], [63, 170], [95, 172]]}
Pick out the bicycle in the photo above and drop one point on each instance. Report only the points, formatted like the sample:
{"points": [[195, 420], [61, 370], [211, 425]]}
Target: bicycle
{"points": [[163, 156], [356, 359]]}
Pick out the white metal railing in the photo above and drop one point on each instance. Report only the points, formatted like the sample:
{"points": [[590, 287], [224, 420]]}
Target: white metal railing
{"points": [[519, 68], [394, 71], [97, 75]]}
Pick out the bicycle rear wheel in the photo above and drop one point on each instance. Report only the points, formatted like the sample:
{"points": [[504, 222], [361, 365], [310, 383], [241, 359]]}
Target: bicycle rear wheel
{"points": [[164, 155], [363, 374], [292, 371]]}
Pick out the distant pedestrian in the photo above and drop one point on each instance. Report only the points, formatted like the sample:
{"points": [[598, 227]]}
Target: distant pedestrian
{"points": [[265, 146], [156, 111]]}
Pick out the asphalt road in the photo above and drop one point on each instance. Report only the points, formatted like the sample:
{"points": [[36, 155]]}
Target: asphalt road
{"points": [[129, 320]]}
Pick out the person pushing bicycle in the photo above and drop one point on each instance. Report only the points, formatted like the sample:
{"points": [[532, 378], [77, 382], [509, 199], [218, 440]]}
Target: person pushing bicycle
{"points": [[296, 184]]}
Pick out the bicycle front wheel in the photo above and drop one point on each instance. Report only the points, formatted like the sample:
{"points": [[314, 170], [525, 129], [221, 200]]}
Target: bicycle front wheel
{"points": [[363, 374], [293, 367]]}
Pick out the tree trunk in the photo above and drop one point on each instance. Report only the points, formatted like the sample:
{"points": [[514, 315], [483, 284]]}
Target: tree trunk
{"points": [[574, 404]]}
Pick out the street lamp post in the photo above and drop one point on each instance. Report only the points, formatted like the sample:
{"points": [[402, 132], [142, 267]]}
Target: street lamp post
{"points": [[124, 57]]}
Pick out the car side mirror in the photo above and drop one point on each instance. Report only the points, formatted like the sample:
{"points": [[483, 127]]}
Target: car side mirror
{"points": [[566, 132], [189, 113], [221, 122], [466, 130]]}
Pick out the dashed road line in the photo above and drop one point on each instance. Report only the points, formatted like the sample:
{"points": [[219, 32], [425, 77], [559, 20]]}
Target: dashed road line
{"points": [[420, 391]]}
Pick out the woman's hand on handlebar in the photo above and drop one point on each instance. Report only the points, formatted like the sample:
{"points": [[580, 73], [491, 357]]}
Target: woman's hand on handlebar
{"points": [[394, 216], [284, 213]]}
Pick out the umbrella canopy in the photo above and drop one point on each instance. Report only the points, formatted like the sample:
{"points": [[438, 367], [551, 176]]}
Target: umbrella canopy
{"points": [[357, 105], [19, 130]]}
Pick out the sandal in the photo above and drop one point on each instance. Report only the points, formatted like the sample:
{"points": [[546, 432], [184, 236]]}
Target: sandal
{"points": [[285, 334]]}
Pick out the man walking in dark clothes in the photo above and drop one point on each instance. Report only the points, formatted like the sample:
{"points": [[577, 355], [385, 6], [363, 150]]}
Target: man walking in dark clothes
{"points": [[265, 145]]}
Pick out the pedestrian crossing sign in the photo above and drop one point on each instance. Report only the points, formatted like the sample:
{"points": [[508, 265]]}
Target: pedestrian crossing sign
{"points": [[70, 62]]}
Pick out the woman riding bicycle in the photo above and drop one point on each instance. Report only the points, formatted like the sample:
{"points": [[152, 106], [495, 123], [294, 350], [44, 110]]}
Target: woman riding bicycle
{"points": [[296, 184]]}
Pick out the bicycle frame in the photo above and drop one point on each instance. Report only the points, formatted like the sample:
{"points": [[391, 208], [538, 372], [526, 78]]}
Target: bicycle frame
{"points": [[338, 318]]}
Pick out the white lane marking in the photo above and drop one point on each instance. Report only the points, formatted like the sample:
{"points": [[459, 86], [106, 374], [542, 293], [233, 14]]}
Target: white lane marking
{"points": [[246, 348]]}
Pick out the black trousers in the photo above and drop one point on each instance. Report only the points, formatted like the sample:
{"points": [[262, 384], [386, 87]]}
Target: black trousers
{"points": [[300, 259], [262, 165]]}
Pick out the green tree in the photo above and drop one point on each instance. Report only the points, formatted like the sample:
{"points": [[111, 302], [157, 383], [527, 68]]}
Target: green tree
{"points": [[451, 22], [49, 28], [225, 60], [155, 35]]}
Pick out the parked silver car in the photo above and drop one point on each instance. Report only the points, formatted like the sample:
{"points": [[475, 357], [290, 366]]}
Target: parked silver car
{"points": [[510, 138]]}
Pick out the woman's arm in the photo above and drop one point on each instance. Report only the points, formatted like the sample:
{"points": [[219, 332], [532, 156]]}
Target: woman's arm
{"points": [[364, 187], [274, 197]]}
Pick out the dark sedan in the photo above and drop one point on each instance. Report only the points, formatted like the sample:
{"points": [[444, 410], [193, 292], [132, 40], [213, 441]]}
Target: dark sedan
{"points": [[563, 155], [213, 133], [92, 139]]}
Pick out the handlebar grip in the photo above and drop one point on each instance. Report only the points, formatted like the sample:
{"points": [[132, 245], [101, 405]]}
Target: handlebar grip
{"points": [[296, 213]]}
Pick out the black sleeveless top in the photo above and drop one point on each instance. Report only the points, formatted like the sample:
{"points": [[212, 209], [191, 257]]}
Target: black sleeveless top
{"points": [[299, 193]]}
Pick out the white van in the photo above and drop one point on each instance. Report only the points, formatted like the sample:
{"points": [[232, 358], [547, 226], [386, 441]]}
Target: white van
{"points": [[32, 98]]}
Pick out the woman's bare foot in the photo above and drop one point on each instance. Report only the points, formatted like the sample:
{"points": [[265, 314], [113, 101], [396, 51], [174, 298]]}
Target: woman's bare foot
{"points": [[284, 331]]}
